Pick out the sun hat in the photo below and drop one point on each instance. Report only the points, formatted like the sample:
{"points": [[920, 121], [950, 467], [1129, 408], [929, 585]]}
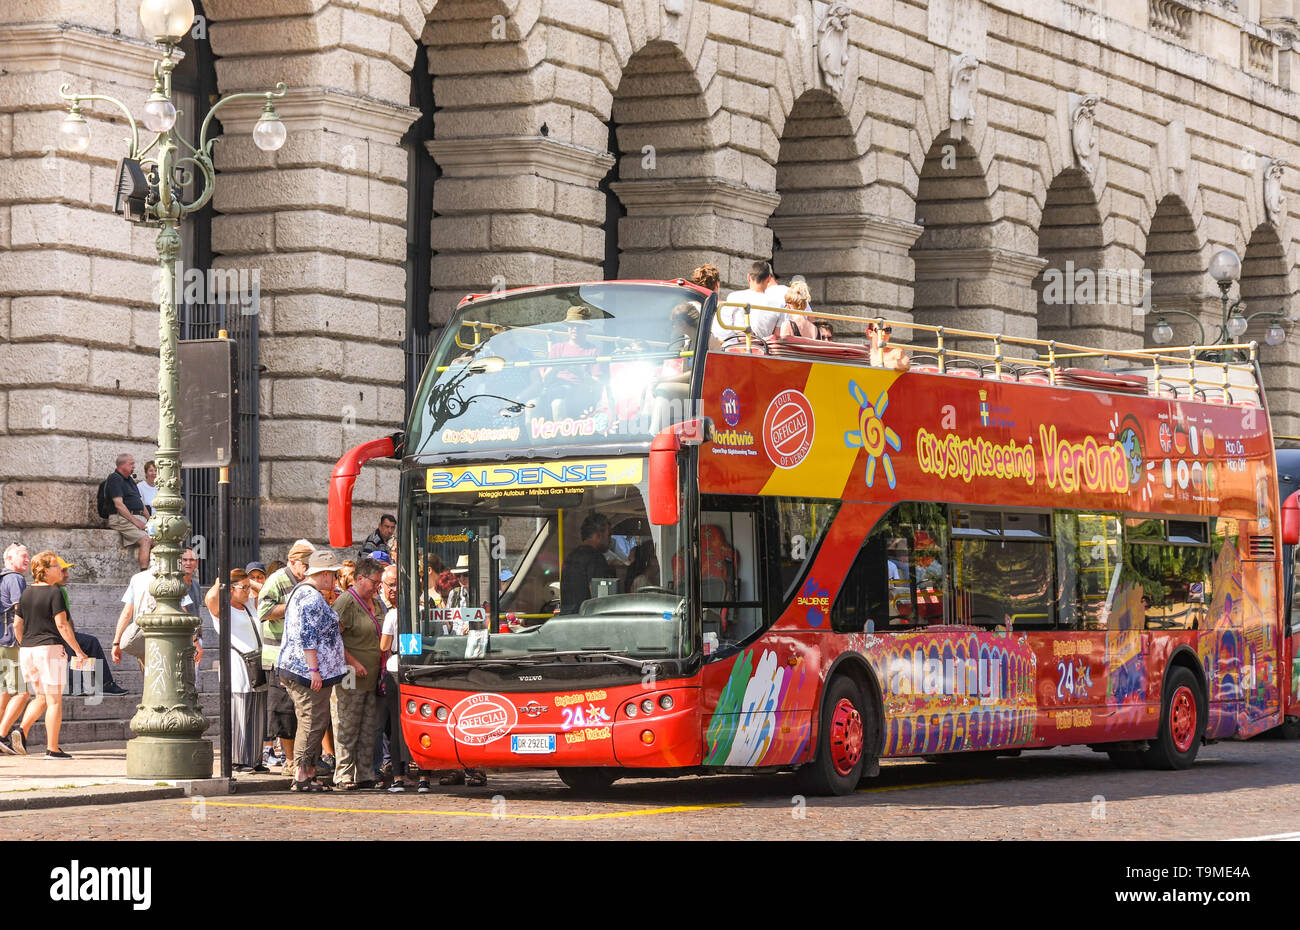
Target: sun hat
{"points": [[462, 565], [322, 560]]}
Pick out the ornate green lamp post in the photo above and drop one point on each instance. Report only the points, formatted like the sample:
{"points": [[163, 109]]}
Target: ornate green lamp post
{"points": [[1225, 268], [152, 180]]}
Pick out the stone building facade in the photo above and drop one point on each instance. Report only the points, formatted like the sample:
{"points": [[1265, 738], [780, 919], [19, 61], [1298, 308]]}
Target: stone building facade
{"points": [[921, 159]]}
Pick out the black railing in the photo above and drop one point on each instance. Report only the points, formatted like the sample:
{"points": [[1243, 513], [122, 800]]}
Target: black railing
{"points": [[199, 485]]}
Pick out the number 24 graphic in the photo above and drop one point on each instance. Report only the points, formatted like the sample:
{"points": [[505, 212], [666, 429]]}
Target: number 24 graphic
{"points": [[1069, 684]]}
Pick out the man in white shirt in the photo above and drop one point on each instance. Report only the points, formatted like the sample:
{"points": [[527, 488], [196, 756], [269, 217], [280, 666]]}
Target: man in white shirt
{"points": [[136, 602], [763, 292]]}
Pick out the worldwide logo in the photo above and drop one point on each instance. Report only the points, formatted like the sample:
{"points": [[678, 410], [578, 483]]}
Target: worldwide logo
{"points": [[730, 407]]}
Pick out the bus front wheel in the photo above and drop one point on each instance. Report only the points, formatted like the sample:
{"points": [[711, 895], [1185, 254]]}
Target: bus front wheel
{"points": [[587, 781], [841, 742]]}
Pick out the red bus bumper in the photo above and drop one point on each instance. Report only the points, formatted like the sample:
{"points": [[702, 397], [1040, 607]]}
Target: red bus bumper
{"points": [[558, 729]]}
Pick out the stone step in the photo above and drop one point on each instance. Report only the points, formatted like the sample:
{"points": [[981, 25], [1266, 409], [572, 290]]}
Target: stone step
{"points": [[123, 706], [96, 553], [75, 732]]}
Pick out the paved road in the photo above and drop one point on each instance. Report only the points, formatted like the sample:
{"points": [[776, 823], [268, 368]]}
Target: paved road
{"points": [[1235, 790]]}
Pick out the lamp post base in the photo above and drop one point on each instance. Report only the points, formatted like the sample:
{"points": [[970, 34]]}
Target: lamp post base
{"points": [[152, 757]]}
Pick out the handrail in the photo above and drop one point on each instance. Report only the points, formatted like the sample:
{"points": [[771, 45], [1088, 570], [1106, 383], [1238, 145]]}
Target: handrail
{"points": [[1048, 351]]}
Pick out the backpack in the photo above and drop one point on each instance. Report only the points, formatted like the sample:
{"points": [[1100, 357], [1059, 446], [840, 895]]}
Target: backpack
{"points": [[7, 637], [103, 503]]}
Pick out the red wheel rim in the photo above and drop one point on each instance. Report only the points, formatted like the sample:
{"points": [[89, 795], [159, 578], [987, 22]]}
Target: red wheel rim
{"points": [[846, 736], [1182, 718]]}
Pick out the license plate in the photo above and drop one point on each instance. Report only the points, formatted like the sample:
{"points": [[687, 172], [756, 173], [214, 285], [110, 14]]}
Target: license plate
{"points": [[532, 743]]}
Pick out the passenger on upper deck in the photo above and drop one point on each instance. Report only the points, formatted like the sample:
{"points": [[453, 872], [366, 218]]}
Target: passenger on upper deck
{"points": [[585, 562], [825, 331], [883, 355], [763, 291], [707, 277], [581, 388], [796, 324]]}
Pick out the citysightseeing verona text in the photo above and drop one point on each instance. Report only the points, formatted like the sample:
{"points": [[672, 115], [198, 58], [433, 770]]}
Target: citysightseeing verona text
{"points": [[1091, 465]]}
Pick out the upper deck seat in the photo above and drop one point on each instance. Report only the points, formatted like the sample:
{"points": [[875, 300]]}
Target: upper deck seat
{"points": [[1104, 380], [802, 347]]}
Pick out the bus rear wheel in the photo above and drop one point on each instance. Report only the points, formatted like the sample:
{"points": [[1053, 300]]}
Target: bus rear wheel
{"points": [[841, 743], [1182, 723], [587, 781]]}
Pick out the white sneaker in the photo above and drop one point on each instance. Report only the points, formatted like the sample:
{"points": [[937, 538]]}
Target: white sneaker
{"points": [[6, 748]]}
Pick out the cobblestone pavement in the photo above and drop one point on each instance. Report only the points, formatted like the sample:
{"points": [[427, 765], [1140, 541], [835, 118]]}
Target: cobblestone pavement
{"points": [[1234, 790]]}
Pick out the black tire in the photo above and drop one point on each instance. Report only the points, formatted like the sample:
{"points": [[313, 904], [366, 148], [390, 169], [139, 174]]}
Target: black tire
{"points": [[588, 781], [1179, 739], [1290, 728], [842, 750]]}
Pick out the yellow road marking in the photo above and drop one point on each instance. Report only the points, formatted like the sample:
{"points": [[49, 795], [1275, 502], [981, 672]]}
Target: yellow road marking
{"points": [[489, 814], [931, 784]]}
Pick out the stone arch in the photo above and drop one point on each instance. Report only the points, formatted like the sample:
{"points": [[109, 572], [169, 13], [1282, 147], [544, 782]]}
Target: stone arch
{"points": [[679, 211], [1074, 287], [822, 227], [1265, 285], [962, 279], [1173, 259]]}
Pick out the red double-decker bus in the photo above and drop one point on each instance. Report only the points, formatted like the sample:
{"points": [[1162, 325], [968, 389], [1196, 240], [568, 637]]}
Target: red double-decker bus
{"points": [[683, 557]]}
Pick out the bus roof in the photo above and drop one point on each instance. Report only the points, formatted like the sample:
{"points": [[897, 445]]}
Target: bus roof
{"points": [[511, 292]]}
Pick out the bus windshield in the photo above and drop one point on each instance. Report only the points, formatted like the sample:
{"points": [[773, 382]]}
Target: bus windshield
{"points": [[578, 364], [554, 567]]}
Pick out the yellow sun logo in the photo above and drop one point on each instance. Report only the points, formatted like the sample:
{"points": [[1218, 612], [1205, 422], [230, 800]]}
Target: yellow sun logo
{"points": [[872, 434]]}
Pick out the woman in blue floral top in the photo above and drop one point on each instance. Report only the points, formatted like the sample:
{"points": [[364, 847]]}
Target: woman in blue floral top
{"points": [[311, 662]]}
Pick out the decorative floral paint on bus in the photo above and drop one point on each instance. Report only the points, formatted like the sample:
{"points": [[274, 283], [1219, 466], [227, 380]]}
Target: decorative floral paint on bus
{"points": [[756, 721], [947, 694]]}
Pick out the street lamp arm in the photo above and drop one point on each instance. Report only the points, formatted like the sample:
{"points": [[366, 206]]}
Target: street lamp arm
{"points": [[1191, 316], [205, 144], [134, 140]]}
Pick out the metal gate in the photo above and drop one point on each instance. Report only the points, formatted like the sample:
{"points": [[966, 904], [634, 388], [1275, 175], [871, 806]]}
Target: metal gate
{"points": [[199, 485]]}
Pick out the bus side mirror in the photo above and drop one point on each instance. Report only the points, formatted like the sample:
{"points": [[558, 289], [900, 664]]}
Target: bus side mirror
{"points": [[1291, 520], [344, 478], [665, 482], [664, 507]]}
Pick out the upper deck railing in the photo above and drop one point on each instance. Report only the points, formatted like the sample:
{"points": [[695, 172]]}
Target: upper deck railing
{"points": [[1174, 372]]}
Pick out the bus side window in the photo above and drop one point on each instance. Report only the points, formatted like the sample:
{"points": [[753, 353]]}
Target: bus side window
{"points": [[1170, 562], [898, 581], [1088, 559], [729, 580], [801, 525], [1002, 569]]}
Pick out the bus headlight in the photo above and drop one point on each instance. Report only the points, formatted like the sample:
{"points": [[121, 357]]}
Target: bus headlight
{"points": [[441, 714], [426, 711], [647, 706], [630, 710], [410, 707], [666, 702]]}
